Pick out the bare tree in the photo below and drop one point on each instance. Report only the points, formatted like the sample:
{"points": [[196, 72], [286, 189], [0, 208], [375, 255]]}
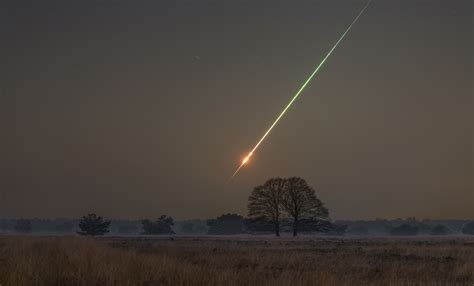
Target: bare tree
{"points": [[265, 202], [300, 202]]}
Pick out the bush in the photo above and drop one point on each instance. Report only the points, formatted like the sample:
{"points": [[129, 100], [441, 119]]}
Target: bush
{"points": [[92, 224], [226, 224], [161, 226]]}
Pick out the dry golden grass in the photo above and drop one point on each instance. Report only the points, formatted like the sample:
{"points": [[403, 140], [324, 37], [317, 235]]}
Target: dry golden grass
{"points": [[235, 261]]}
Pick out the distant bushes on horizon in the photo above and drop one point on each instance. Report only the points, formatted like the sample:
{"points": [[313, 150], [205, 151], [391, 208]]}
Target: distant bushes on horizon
{"points": [[249, 226]]}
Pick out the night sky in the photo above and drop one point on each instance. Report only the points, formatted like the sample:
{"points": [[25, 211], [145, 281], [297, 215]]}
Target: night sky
{"points": [[133, 109]]}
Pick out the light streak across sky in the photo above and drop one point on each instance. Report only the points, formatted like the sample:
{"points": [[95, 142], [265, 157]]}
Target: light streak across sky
{"points": [[247, 158]]}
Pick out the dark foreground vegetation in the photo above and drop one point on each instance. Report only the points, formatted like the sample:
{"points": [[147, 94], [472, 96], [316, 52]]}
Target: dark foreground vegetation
{"points": [[235, 260]]}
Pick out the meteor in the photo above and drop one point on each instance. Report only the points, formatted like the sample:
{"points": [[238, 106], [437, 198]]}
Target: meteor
{"points": [[246, 159]]}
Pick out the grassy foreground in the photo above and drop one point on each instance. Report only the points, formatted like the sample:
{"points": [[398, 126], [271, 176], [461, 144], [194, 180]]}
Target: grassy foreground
{"points": [[236, 261]]}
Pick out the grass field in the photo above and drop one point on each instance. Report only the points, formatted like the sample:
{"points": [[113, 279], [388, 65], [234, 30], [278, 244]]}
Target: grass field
{"points": [[242, 260]]}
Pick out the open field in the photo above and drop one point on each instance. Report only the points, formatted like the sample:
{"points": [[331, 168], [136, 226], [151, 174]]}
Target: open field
{"points": [[241, 260]]}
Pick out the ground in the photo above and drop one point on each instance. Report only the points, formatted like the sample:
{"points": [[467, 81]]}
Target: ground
{"points": [[236, 260]]}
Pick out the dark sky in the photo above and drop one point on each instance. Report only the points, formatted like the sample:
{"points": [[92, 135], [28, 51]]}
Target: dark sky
{"points": [[136, 108]]}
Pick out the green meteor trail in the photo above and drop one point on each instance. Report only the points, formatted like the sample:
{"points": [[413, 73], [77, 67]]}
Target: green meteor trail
{"points": [[246, 159]]}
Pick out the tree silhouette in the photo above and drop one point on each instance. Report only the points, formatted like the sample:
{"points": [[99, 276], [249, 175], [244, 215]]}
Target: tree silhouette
{"points": [[92, 224], [226, 224], [161, 226], [265, 202], [166, 219], [300, 202]]}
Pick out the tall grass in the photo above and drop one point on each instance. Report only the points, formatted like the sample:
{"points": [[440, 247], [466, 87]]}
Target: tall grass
{"points": [[234, 261]]}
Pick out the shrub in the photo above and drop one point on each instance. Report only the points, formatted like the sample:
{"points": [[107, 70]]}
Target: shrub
{"points": [[161, 226], [92, 224], [226, 224]]}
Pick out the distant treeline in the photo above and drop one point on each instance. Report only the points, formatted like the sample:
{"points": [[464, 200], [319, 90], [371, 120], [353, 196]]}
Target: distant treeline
{"points": [[280, 205], [236, 224]]}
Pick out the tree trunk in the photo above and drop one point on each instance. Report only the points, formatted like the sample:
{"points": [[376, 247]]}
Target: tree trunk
{"points": [[295, 227]]}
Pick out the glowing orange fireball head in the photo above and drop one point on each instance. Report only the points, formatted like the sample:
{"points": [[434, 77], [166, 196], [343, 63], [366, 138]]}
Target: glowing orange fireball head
{"points": [[246, 159]]}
